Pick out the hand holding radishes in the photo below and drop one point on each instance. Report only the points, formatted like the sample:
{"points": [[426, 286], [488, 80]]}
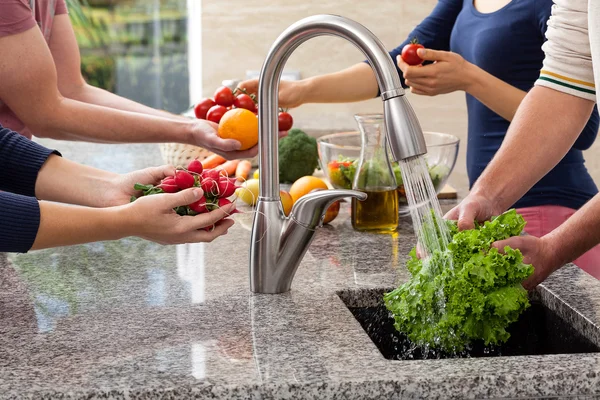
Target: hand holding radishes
{"points": [[215, 187], [448, 73], [152, 218]]}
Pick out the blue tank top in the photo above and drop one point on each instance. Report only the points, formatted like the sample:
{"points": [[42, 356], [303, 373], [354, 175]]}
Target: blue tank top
{"points": [[507, 44]]}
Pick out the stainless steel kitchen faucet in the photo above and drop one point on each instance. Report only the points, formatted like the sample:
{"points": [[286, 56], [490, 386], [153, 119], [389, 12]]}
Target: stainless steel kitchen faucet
{"points": [[278, 243]]}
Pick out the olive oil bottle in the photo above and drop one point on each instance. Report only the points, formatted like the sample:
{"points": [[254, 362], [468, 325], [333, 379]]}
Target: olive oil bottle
{"points": [[375, 177]]}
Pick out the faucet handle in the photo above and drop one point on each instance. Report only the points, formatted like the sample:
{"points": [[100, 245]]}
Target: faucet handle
{"points": [[309, 210]]}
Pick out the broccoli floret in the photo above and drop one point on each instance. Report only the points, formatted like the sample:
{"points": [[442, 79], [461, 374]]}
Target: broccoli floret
{"points": [[298, 156]]}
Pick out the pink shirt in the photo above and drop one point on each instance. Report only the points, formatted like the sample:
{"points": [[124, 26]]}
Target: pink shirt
{"points": [[16, 17]]}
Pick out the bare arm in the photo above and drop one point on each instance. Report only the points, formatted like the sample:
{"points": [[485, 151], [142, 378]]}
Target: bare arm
{"points": [[29, 88], [539, 137], [352, 84], [450, 72], [71, 84], [150, 217]]}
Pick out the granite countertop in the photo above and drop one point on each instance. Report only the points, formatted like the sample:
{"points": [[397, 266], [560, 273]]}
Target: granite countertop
{"points": [[133, 319]]}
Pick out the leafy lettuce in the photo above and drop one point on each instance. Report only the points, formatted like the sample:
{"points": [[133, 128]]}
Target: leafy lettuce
{"points": [[467, 292]]}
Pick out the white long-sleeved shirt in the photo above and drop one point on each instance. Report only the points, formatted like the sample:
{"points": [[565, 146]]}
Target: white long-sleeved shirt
{"points": [[572, 63]]}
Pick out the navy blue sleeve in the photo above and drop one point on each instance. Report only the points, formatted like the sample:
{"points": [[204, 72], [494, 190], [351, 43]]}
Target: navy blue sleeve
{"points": [[434, 31], [20, 161], [19, 222]]}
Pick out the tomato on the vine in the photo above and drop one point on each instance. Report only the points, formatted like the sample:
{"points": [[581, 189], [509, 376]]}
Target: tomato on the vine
{"points": [[216, 113], [285, 121], [224, 96], [244, 101], [409, 53], [202, 108]]}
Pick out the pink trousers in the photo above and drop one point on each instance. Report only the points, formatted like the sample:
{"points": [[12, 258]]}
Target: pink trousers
{"points": [[543, 219]]}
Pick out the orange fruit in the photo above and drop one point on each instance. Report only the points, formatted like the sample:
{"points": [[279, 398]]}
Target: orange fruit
{"points": [[286, 201], [241, 125], [304, 185]]}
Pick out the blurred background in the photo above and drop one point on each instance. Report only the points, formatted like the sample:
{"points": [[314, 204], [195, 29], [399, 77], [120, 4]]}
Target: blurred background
{"points": [[171, 53]]}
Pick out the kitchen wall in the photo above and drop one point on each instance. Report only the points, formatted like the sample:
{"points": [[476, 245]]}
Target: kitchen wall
{"points": [[236, 36]]}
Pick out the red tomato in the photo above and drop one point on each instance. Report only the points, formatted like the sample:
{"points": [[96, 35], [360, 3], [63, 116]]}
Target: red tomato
{"points": [[244, 101], [202, 108], [409, 54], [216, 113], [224, 96], [285, 121]]}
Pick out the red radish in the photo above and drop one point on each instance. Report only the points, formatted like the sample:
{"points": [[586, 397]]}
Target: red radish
{"points": [[170, 180], [225, 202], [195, 166], [199, 206], [226, 187], [168, 188], [211, 174], [184, 180], [209, 186]]}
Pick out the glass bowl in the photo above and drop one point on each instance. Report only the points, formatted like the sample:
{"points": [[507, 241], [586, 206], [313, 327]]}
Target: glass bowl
{"points": [[339, 152]]}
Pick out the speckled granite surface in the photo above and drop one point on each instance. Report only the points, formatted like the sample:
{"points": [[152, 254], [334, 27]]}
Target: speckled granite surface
{"points": [[132, 319]]}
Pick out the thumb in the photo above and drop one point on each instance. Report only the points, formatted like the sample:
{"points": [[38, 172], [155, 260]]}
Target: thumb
{"points": [[466, 217], [432, 55], [185, 197]]}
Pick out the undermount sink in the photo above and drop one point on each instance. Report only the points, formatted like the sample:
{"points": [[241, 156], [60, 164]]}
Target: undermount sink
{"points": [[539, 331]]}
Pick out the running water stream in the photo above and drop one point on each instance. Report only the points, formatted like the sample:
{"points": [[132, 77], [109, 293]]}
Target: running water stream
{"points": [[425, 210]]}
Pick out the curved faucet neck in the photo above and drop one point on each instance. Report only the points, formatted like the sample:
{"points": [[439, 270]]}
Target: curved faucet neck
{"points": [[268, 104]]}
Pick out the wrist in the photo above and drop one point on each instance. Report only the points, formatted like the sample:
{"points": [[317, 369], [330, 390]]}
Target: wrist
{"points": [[306, 87], [122, 221], [472, 78], [556, 254]]}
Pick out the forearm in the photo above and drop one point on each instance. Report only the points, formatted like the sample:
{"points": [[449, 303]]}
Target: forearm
{"points": [[73, 120], [100, 97], [497, 95], [577, 235], [65, 181], [65, 225], [356, 83], [538, 138]]}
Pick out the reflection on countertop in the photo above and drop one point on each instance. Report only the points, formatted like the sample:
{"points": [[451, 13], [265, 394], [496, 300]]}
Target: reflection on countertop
{"points": [[135, 319]]}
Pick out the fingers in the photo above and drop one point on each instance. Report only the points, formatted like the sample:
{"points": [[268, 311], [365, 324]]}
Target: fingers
{"points": [[452, 215], [159, 173], [401, 64], [220, 228], [466, 216], [433, 55], [251, 86], [516, 242], [207, 219], [183, 198]]}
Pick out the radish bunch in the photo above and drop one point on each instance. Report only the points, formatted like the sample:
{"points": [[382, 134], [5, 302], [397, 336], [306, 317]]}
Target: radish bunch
{"points": [[216, 187]]}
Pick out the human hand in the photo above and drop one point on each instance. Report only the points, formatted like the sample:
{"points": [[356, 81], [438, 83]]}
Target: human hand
{"points": [[119, 189], [205, 135], [538, 252], [448, 73], [291, 93], [475, 207], [153, 218]]}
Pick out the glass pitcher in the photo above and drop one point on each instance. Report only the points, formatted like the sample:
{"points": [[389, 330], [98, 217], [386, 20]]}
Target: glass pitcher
{"points": [[375, 177]]}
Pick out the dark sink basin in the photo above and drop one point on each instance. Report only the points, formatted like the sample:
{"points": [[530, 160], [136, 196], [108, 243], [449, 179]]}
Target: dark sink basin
{"points": [[539, 331]]}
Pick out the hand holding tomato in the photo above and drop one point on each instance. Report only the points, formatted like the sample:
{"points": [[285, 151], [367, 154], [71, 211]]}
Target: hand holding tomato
{"points": [[448, 73]]}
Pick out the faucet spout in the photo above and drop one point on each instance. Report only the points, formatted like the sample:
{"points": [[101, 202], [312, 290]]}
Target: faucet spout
{"points": [[278, 243]]}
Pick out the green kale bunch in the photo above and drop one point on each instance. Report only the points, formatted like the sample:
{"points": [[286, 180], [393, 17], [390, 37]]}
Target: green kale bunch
{"points": [[467, 292]]}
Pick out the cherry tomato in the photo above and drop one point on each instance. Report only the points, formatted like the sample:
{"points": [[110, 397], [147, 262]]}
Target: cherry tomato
{"points": [[202, 108], [409, 54], [216, 113], [285, 121], [244, 101], [224, 96]]}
